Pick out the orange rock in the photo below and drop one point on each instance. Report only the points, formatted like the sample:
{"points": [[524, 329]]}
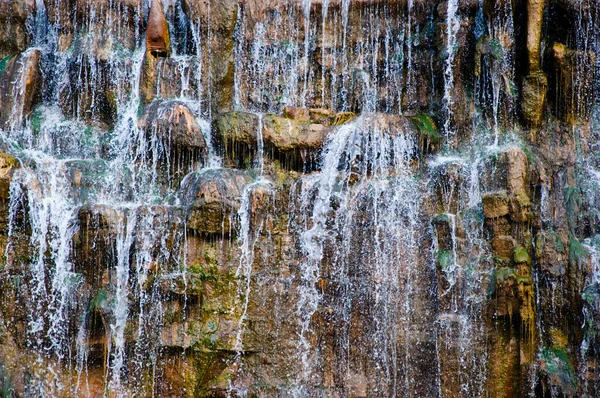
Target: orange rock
{"points": [[157, 32]]}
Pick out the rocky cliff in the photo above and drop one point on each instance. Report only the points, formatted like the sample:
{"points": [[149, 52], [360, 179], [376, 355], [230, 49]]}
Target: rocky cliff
{"points": [[285, 198]]}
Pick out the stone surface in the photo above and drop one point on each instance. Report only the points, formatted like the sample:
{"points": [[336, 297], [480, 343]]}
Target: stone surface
{"points": [[14, 32], [157, 32], [20, 85], [173, 122], [214, 198], [535, 87], [495, 204]]}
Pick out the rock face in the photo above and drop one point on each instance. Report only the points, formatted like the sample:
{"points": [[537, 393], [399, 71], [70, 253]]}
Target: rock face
{"points": [[14, 17], [214, 197], [362, 198], [20, 82], [157, 31]]}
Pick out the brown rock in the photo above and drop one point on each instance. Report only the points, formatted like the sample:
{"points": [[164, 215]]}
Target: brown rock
{"points": [[213, 197], [321, 116], [503, 247], [301, 115], [20, 87], [8, 164], [575, 69], [157, 31], [534, 92], [173, 122], [495, 204], [14, 32], [286, 134], [535, 19], [232, 127], [520, 207], [516, 169]]}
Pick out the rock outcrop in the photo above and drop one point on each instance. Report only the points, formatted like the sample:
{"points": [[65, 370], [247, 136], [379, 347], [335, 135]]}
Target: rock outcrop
{"points": [[343, 198]]}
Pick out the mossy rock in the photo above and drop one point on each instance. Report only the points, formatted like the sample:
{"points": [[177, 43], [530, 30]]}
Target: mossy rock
{"points": [[521, 256], [427, 129], [495, 204], [343, 117]]}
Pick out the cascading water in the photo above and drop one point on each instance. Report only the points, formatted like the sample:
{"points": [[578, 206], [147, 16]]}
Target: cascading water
{"points": [[168, 231]]}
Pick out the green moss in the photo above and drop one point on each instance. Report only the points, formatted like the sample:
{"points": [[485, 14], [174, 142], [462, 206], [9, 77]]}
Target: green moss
{"points": [[529, 154], [4, 62], [558, 365], [427, 129], [445, 259], [521, 256], [441, 219], [577, 253], [98, 300], [7, 389]]}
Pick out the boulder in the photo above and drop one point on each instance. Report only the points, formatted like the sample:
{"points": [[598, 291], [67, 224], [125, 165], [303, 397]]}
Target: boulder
{"points": [[495, 204], [287, 134], [302, 115], [232, 127], [321, 116], [173, 122], [213, 198]]}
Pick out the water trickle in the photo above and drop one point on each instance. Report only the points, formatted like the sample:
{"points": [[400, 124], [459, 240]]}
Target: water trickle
{"points": [[452, 27]]}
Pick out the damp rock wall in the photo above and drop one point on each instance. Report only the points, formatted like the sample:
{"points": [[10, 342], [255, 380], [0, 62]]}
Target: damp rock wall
{"points": [[299, 198]]}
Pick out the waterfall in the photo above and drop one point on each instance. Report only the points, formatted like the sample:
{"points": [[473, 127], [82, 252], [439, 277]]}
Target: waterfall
{"points": [[342, 198], [452, 27], [374, 177]]}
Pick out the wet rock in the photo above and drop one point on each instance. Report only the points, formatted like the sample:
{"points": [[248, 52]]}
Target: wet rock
{"points": [[8, 164], [343, 117], [495, 204], [535, 20], [575, 69], [20, 87], [443, 228], [219, 16], [284, 139], [520, 207], [94, 243], [301, 115], [216, 21], [90, 93], [286, 134], [517, 168], [213, 198], [232, 127], [102, 33], [551, 253], [321, 116], [503, 247], [173, 122], [535, 87], [15, 35], [157, 32]]}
